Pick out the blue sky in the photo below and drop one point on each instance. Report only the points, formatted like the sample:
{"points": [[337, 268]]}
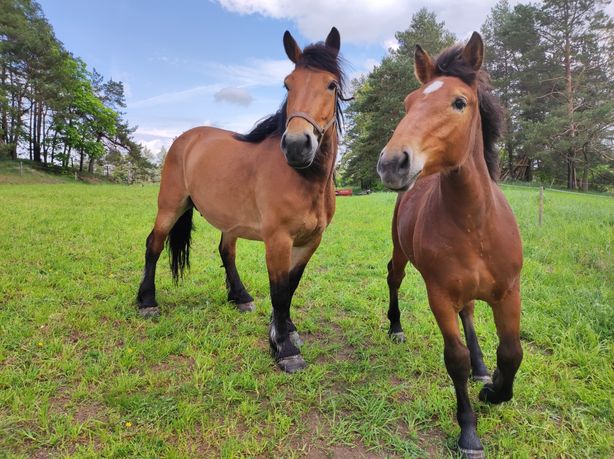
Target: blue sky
{"points": [[221, 62]]}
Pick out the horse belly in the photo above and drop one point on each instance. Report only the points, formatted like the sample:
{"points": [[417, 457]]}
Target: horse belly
{"points": [[221, 188]]}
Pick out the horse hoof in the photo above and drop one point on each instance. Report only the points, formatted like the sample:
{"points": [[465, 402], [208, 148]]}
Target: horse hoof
{"points": [[471, 453], [486, 379], [397, 337], [246, 307], [295, 338], [292, 364], [489, 395], [150, 312]]}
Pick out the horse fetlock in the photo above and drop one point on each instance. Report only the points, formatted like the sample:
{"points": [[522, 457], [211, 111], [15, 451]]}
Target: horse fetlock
{"points": [[480, 373], [146, 299], [295, 338]]}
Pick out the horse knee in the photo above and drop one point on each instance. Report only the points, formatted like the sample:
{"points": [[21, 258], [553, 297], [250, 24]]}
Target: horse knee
{"points": [[457, 359]]}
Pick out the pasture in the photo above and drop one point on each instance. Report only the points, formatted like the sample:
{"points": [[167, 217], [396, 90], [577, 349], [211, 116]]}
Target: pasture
{"points": [[82, 375]]}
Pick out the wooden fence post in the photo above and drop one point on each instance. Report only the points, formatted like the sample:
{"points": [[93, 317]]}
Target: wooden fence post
{"points": [[20, 167], [541, 205]]}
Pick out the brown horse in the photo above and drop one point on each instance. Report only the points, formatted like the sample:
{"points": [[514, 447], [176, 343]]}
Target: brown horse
{"points": [[274, 184], [453, 223]]}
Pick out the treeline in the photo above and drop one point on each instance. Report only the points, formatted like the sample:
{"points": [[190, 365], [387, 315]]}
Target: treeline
{"points": [[55, 111], [552, 65]]}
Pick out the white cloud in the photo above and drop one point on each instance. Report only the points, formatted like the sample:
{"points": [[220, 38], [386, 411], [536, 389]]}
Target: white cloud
{"points": [[371, 21], [256, 72], [155, 145], [155, 132], [237, 96], [391, 43]]}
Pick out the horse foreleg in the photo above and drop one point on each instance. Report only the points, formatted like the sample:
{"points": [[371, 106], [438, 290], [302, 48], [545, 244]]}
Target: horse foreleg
{"points": [[509, 351], [396, 273], [458, 364], [479, 371], [279, 262], [300, 257], [237, 293]]}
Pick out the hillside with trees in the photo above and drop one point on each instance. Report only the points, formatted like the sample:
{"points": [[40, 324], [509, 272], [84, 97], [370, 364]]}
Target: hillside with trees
{"points": [[55, 111], [551, 64]]}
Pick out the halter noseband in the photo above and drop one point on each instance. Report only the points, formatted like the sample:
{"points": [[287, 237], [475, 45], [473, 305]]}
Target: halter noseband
{"points": [[307, 117]]}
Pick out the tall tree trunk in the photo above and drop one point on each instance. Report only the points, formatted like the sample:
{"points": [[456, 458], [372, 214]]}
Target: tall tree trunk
{"points": [[571, 174], [30, 135], [36, 132], [585, 172], [571, 158], [81, 157], [90, 166]]}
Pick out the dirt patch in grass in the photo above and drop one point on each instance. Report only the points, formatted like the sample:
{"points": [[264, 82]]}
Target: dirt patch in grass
{"points": [[432, 441], [89, 410], [174, 362]]}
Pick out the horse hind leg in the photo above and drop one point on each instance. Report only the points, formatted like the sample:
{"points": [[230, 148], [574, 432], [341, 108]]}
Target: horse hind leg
{"points": [[166, 221], [237, 293], [509, 351], [479, 371]]}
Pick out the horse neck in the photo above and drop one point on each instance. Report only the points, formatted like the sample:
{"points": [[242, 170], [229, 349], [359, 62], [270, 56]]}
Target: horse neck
{"points": [[322, 173], [467, 189]]}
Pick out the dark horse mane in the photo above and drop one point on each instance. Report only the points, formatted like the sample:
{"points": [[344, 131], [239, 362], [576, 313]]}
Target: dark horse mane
{"points": [[317, 56], [451, 63]]}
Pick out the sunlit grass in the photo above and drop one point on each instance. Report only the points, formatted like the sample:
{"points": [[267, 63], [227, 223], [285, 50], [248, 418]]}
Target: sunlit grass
{"points": [[82, 375]]}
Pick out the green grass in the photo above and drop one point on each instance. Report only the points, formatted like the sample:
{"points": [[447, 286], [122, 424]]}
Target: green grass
{"points": [[82, 375]]}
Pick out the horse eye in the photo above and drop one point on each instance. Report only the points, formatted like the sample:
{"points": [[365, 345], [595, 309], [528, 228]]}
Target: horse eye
{"points": [[459, 103], [333, 85], [286, 86]]}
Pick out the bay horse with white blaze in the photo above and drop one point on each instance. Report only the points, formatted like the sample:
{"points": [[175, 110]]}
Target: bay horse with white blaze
{"points": [[453, 222], [274, 184]]}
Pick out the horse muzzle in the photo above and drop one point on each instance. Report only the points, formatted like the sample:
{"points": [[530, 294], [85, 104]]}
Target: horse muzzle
{"points": [[299, 149], [398, 172]]}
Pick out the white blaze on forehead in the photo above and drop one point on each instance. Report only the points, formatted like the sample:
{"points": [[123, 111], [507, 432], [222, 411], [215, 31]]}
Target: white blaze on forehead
{"points": [[434, 86]]}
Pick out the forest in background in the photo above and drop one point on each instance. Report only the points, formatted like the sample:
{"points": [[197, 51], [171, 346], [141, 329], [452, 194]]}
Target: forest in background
{"points": [[54, 110], [551, 63], [552, 66]]}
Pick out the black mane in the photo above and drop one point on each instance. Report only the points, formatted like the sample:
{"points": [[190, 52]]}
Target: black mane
{"points": [[317, 56], [451, 63]]}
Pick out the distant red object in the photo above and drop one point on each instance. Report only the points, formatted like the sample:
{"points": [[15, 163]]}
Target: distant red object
{"points": [[344, 192]]}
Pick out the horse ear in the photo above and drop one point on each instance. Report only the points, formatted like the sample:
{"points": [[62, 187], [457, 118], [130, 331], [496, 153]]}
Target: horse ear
{"points": [[334, 39], [292, 49], [474, 51], [423, 66]]}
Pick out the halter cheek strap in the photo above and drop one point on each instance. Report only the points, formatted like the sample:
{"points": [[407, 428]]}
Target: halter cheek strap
{"points": [[307, 117]]}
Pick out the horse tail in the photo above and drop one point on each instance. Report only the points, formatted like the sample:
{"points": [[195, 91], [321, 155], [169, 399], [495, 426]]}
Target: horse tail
{"points": [[178, 244]]}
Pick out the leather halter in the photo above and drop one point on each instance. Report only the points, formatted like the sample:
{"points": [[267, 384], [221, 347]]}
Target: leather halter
{"points": [[321, 130], [307, 117]]}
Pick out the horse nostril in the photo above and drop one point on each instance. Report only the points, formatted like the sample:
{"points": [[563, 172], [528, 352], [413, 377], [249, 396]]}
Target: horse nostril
{"points": [[283, 141], [307, 141], [404, 163]]}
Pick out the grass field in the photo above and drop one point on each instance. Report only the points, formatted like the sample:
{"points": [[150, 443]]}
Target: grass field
{"points": [[82, 375]]}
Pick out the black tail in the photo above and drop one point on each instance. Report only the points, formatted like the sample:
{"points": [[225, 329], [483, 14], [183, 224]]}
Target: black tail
{"points": [[178, 244]]}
